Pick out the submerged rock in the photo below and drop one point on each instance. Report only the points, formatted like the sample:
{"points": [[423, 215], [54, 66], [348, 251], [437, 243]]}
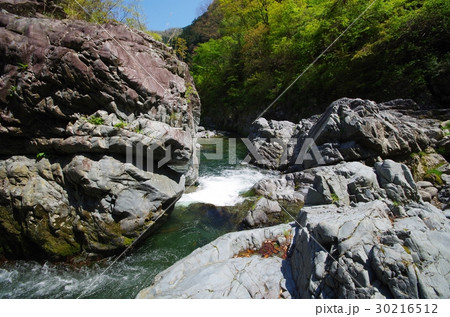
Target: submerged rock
{"points": [[97, 133]]}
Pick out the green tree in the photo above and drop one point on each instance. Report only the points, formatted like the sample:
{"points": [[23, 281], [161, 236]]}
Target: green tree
{"points": [[103, 11], [398, 49], [180, 46]]}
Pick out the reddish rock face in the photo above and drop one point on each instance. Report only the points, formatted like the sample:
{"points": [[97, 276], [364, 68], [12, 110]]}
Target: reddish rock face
{"points": [[72, 90], [84, 68]]}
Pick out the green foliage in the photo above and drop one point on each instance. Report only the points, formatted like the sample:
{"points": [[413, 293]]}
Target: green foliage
{"points": [[22, 67], [12, 90], [173, 116], [442, 150], [139, 131], [180, 47], [155, 35], [287, 233], [96, 120], [422, 154], [128, 241], [104, 11], [434, 171], [40, 156], [249, 193], [335, 198], [397, 50], [120, 125]]}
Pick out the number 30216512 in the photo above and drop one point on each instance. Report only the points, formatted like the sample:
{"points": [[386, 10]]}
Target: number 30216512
{"points": [[407, 309]]}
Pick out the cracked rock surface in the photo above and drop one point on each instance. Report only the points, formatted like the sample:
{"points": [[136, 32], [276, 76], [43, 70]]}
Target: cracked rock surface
{"points": [[349, 130], [364, 233], [214, 271], [75, 98]]}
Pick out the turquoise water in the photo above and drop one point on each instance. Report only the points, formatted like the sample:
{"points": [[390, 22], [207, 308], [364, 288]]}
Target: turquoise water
{"points": [[196, 220]]}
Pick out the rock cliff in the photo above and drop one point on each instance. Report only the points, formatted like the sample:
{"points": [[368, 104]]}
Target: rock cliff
{"points": [[87, 114]]}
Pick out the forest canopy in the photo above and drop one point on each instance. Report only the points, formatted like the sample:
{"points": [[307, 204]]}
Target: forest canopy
{"points": [[246, 52]]}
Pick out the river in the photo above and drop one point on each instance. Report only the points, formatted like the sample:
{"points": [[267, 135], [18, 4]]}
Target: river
{"points": [[196, 220]]}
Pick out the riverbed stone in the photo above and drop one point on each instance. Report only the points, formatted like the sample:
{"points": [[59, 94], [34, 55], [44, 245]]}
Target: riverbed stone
{"points": [[261, 213], [214, 271]]}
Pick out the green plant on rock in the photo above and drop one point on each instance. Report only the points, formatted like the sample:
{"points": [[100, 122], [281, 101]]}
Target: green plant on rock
{"points": [[120, 125], [139, 130], [12, 90], [40, 156], [434, 175], [22, 66], [287, 233], [128, 241], [434, 171], [96, 120], [173, 116], [334, 198], [446, 126], [155, 35], [441, 150], [249, 193]]}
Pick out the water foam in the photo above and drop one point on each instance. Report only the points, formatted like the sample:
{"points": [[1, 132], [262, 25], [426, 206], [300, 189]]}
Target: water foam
{"points": [[225, 189]]}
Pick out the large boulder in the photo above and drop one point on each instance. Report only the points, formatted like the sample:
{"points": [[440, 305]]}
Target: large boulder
{"points": [[58, 209], [362, 251], [355, 129], [349, 130], [342, 184], [33, 8], [272, 142], [97, 133], [229, 268]]}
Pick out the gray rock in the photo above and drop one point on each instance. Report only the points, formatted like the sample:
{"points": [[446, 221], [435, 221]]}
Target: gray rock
{"points": [[78, 92], [425, 195], [354, 130], [98, 207], [433, 191], [214, 272], [375, 257], [272, 142], [397, 180], [259, 215], [340, 184], [424, 184]]}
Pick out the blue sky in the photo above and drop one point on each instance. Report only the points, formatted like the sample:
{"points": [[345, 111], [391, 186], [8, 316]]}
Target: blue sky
{"points": [[165, 14]]}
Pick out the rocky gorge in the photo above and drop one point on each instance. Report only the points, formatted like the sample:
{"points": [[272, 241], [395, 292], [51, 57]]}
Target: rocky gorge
{"points": [[362, 227], [358, 207], [75, 98]]}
